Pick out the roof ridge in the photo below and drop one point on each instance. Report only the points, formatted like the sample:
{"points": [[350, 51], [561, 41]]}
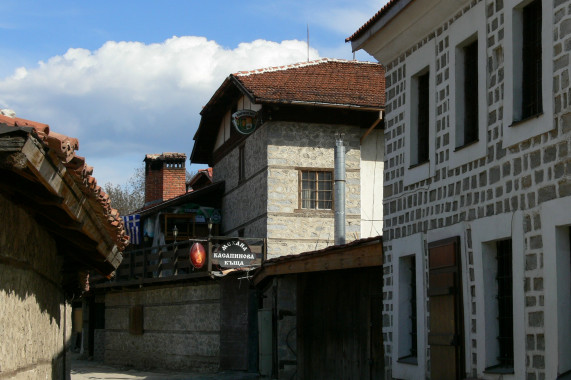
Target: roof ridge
{"points": [[299, 65]]}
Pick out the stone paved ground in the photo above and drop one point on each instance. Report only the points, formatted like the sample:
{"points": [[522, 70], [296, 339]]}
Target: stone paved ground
{"points": [[90, 370]]}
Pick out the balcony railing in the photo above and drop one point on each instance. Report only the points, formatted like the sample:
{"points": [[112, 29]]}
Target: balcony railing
{"points": [[171, 262]]}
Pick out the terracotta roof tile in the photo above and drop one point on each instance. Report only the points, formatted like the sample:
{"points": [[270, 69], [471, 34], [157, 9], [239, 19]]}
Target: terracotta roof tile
{"points": [[64, 148], [325, 81]]}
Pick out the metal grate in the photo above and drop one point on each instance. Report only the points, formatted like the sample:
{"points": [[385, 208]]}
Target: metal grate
{"points": [[413, 315], [423, 117], [471, 92], [505, 303], [531, 58]]}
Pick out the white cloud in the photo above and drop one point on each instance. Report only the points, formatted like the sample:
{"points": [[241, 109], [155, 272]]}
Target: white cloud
{"points": [[127, 99]]}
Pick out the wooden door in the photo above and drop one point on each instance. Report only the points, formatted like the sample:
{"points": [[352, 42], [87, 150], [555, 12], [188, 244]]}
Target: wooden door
{"points": [[445, 337], [339, 325]]}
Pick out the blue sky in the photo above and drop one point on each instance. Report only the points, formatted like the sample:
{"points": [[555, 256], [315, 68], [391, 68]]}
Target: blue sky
{"points": [[130, 77]]}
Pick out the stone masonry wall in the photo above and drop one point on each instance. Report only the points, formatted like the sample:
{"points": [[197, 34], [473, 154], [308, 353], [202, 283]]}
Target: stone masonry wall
{"points": [[181, 327], [35, 321], [291, 147], [244, 203], [506, 179], [266, 203]]}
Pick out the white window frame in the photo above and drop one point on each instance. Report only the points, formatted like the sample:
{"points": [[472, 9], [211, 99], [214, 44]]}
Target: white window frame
{"points": [[555, 220], [472, 25], [417, 63], [485, 233], [403, 247], [523, 130]]}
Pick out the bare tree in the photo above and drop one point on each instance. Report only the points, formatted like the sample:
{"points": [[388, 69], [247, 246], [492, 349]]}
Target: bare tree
{"points": [[129, 197]]}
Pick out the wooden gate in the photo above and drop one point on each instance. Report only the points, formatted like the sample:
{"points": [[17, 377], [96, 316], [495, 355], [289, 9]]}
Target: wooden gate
{"points": [[339, 325], [445, 336]]}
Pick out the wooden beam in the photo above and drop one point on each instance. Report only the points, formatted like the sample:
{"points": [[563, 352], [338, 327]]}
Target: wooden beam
{"points": [[49, 171], [371, 128], [352, 257], [11, 144]]}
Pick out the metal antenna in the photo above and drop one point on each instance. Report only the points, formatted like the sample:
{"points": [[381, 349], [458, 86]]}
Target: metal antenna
{"points": [[308, 42]]}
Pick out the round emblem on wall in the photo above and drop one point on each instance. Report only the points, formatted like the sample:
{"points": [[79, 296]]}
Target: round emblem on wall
{"points": [[245, 121]]}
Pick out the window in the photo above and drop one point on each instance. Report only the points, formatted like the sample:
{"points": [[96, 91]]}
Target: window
{"points": [[420, 145], [500, 297], [409, 308], [556, 228], [470, 94], [505, 304], [531, 103], [529, 67], [407, 298], [419, 117], [316, 190], [468, 87], [241, 163]]}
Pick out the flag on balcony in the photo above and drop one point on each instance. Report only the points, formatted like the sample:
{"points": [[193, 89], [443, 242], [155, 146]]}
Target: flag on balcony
{"points": [[132, 223]]}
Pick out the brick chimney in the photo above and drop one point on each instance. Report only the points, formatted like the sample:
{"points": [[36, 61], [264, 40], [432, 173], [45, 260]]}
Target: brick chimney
{"points": [[165, 177]]}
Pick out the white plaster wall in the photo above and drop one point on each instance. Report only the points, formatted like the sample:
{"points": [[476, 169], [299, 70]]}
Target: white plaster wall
{"points": [[372, 166]]}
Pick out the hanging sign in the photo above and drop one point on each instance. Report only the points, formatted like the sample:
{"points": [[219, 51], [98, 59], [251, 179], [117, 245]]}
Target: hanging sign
{"points": [[233, 254], [197, 255], [245, 121]]}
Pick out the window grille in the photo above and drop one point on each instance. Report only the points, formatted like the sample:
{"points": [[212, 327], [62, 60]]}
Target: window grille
{"points": [[505, 303], [470, 92], [531, 59], [423, 118]]}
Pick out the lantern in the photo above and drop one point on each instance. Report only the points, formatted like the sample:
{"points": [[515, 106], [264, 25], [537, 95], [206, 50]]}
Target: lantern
{"points": [[197, 255]]}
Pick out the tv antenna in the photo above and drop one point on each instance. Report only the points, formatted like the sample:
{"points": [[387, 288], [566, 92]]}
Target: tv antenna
{"points": [[308, 42]]}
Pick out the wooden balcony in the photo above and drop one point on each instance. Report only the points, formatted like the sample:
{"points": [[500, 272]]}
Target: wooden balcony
{"points": [[171, 263]]}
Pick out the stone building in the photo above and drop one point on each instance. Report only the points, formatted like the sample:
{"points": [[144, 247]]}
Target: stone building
{"points": [[56, 225], [277, 159], [477, 190], [161, 310]]}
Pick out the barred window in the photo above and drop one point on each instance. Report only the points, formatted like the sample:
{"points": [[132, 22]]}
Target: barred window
{"points": [[505, 304], [316, 190], [422, 121], [470, 93], [531, 60]]}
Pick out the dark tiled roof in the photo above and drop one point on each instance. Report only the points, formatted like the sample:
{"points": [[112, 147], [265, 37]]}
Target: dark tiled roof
{"points": [[64, 148], [325, 81], [372, 20]]}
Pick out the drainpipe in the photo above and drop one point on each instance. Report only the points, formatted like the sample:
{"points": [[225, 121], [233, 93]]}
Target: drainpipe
{"points": [[339, 190]]}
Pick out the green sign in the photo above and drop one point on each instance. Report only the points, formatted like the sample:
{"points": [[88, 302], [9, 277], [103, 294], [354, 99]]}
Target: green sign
{"points": [[245, 121]]}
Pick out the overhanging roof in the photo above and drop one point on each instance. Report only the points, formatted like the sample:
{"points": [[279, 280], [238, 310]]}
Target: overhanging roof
{"points": [[361, 253], [41, 172], [325, 83]]}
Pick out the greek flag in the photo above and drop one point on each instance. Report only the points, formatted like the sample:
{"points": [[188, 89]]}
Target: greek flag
{"points": [[132, 223]]}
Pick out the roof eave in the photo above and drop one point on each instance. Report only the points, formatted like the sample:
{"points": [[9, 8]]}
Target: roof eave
{"points": [[320, 104], [358, 41]]}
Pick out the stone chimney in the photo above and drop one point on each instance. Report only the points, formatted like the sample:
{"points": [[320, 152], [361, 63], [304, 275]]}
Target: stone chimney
{"points": [[165, 177]]}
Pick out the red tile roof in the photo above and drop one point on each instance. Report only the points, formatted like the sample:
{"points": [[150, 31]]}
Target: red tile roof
{"points": [[372, 20], [64, 147], [325, 81]]}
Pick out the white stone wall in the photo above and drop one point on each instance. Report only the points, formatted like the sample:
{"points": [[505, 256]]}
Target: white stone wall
{"points": [[266, 203], [292, 146], [501, 181], [35, 321]]}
